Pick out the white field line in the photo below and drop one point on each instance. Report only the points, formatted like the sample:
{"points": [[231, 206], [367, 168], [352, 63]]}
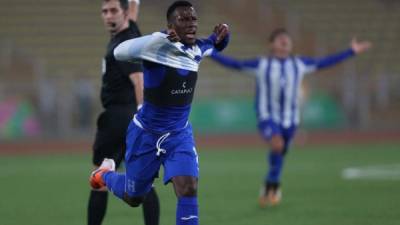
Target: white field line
{"points": [[375, 172]]}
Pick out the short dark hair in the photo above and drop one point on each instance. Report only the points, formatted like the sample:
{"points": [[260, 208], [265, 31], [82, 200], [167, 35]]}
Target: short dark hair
{"points": [[275, 33], [176, 4], [124, 4]]}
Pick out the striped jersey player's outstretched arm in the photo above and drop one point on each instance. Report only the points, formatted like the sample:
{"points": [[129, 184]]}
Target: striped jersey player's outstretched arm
{"points": [[232, 63], [356, 47], [327, 61]]}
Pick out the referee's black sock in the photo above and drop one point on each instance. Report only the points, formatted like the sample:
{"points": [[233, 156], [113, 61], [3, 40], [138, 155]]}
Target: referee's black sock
{"points": [[151, 208], [97, 207]]}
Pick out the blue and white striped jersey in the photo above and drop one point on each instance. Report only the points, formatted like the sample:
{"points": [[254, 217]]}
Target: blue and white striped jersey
{"points": [[278, 82]]}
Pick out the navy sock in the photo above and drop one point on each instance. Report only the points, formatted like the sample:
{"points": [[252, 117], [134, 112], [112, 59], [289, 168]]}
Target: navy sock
{"points": [[187, 211], [115, 182], [275, 167], [151, 208], [97, 207]]}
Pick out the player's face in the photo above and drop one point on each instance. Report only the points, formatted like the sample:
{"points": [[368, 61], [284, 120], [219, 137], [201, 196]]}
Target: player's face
{"points": [[184, 22], [282, 44], [114, 17]]}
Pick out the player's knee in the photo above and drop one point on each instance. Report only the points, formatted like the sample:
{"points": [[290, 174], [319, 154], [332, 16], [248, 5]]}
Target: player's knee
{"points": [[185, 186], [187, 190], [133, 201], [277, 144], [277, 149]]}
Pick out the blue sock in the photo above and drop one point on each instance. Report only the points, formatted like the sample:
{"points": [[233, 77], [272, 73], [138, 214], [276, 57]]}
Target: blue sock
{"points": [[275, 167], [187, 211], [115, 182]]}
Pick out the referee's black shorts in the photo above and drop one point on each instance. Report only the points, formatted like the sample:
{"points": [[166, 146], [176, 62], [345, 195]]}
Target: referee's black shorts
{"points": [[112, 125]]}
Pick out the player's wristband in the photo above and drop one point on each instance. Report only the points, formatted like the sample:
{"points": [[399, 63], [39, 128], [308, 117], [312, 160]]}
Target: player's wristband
{"points": [[136, 1], [139, 106]]}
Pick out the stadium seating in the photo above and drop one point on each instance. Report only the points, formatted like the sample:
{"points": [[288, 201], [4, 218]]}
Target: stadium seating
{"points": [[69, 37]]}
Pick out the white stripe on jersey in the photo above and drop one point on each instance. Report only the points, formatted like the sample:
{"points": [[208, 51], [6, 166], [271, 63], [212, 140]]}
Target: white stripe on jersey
{"points": [[287, 84], [275, 88], [262, 89], [290, 86]]}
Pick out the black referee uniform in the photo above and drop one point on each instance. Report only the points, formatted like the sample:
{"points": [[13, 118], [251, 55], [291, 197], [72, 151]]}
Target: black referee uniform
{"points": [[119, 103], [118, 100]]}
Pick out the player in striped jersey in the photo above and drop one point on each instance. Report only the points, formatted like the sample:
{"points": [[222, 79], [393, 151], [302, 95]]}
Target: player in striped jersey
{"points": [[278, 78]]}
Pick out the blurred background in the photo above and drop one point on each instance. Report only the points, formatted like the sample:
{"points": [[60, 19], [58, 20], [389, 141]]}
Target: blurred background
{"points": [[348, 173], [51, 50]]}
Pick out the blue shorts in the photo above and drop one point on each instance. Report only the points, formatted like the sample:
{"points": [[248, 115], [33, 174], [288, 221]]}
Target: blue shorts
{"points": [[147, 151], [269, 128]]}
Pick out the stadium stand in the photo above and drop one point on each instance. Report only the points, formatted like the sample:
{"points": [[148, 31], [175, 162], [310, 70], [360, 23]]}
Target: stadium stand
{"points": [[67, 37]]}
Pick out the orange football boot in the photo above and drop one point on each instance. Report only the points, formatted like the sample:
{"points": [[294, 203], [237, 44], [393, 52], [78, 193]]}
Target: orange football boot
{"points": [[96, 178]]}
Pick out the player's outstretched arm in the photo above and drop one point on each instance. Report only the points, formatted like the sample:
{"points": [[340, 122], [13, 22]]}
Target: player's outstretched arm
{"points": [[220, 39], [356, 47], [233, 63], [360, 46]]}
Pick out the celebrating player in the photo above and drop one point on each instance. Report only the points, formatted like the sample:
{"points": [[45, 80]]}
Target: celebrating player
{"points": [[160, 133], [278, 78], [121, 93]]}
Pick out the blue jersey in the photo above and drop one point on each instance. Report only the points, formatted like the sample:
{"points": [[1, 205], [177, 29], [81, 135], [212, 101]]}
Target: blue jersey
{"points": [[170, 75], [278, 82]]}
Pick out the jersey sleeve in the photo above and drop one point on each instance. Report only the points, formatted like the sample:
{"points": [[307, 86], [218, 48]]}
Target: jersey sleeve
{"points": [[250, 65], [131, 49], [313, 64], [208, 45], [132, 66], [136, 48]]}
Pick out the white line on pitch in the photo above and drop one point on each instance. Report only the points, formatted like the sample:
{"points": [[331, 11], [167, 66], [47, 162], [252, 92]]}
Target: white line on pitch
{"points": [[375, 172]]}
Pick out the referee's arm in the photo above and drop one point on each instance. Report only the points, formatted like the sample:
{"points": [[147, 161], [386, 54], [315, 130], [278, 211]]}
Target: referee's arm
{"points": [[136, 77], [137, 80], [134, 72], [133, 9]]}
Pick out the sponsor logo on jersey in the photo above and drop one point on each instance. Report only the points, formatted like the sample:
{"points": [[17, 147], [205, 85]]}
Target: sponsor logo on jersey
{"points": [[182, 91]]}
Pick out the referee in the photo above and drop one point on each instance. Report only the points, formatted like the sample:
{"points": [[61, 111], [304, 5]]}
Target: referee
{"points": [[121, 95]]}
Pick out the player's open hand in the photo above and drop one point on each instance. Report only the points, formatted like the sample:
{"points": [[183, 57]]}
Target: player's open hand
{"points": [[173, 36], [221, 30], [360, 46]]}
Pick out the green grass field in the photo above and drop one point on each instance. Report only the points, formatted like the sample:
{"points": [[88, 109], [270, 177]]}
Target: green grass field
{"points": [[53, 189]]}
